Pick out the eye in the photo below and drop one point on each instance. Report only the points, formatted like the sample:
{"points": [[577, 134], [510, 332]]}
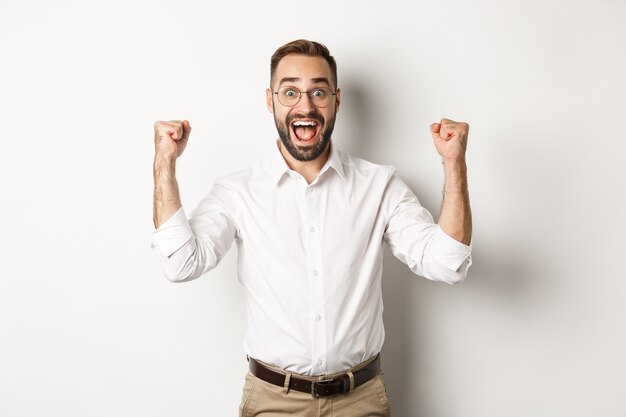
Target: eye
{"points": [[318, 93], [290, 92]]}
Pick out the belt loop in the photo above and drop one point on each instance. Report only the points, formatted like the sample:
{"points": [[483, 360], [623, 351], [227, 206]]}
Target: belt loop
{"points": [[286, 385], [351, 376]]}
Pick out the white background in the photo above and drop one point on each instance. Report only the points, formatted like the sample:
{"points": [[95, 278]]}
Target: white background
{"points": [[90, 327]]}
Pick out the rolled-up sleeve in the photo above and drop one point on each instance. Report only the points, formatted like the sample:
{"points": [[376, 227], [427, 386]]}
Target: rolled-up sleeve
{"points": [[172, 234], [188, 248], [449, 252], [414, 238]]}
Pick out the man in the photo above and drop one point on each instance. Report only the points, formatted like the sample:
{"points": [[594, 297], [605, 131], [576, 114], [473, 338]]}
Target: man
{"points": [[309, 223]]}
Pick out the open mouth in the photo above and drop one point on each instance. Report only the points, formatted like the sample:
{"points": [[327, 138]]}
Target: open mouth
{"points": [[305, 130]]}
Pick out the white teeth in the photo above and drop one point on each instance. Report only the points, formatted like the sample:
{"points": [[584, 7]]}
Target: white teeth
{"points": [[304, 123]]}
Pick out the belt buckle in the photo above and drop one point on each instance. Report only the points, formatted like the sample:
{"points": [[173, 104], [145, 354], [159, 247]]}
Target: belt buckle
{"points": [[314, 392]]}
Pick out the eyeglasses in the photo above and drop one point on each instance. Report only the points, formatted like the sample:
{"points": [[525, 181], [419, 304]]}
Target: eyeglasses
{"points": [[290, 96]]}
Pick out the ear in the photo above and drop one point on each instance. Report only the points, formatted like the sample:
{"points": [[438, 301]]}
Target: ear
{"points": [[268, 100], [337, 99]]}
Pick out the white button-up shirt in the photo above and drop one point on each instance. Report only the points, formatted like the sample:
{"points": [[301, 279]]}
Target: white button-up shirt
{"points": [[310, 255]]}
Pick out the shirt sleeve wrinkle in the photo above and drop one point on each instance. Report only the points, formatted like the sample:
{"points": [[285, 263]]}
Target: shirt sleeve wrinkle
{"points": [[415, 239]]}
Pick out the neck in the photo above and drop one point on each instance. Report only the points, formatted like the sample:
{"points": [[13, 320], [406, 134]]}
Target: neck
{"points": [[308, 169]]}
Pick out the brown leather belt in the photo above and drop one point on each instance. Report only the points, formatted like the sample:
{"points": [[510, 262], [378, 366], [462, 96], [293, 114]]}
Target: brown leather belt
{"points": [[322, 388]]}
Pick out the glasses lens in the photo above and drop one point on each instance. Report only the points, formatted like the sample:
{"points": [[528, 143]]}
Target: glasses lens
{"points": [[320, 96], [288, 96]]}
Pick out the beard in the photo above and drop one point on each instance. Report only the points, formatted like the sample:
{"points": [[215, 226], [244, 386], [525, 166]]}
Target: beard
{"points": [[308, 153]]}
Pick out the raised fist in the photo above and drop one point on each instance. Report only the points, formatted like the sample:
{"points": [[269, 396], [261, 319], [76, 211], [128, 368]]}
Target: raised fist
{"points": [[450, 139], [170, 138]]}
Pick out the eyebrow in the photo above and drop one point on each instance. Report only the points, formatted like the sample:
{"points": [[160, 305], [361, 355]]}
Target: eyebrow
{"points": [[295, 79]]}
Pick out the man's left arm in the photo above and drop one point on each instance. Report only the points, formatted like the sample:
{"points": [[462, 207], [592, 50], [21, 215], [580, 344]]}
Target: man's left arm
{"points": [[450, 139], [440, 252]]}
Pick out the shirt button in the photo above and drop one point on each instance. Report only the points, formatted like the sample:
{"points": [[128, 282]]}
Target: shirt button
{"points": [[315, 273], [312, 229], [319, 362], [318, 317]]}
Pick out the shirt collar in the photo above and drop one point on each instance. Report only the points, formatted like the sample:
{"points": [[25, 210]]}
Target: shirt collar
{"points": [[278, 166]]}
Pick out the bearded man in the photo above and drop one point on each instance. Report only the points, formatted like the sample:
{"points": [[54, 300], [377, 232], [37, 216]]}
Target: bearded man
{"points": [[310, 222]]}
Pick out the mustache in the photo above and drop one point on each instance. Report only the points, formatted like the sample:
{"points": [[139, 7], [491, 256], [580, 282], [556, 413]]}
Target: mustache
{"points": [[311, 115]]}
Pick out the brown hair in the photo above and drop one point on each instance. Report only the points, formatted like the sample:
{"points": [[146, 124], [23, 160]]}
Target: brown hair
{"points": [[303, 47]]}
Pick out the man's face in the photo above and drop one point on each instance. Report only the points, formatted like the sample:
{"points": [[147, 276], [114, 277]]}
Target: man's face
{"points": [[304, 143]]}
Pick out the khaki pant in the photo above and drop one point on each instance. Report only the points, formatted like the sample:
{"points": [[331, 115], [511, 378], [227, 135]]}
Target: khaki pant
{"points": [[262, 399]]}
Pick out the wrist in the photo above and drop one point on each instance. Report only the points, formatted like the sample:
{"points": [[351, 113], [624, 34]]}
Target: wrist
{"points": [[164, 161], [455, 172], [454, 161], [454, 167], [164, 170]]}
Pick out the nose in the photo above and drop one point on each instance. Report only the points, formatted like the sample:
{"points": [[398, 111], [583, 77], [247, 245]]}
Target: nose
{"points": [[305, 104]]}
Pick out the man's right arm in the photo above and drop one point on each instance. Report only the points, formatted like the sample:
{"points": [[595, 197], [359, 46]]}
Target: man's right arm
{"points": [[187, 249], [170, 140]]}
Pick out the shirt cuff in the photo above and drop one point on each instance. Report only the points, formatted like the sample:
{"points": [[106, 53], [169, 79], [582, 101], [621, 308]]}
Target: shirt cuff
{"points": [[448, 251], [172, 234]]}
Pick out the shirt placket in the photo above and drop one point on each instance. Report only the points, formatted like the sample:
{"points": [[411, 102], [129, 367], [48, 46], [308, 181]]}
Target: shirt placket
{"points": [[316, 282]]}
